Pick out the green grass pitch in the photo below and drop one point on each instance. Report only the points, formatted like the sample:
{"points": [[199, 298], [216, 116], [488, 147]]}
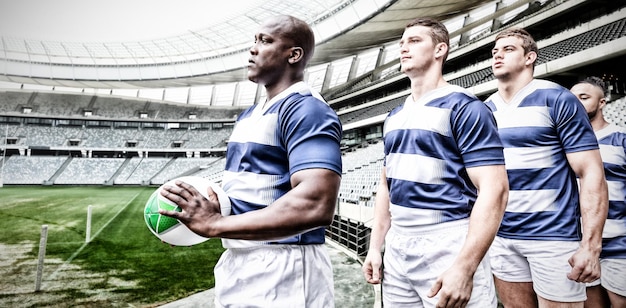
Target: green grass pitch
{"points": [[121, 245]]}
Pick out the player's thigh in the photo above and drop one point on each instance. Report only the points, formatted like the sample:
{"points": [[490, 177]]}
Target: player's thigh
{"points": [[415, 262], [508, 264], [447, 244], [613, 275], [617, 301], [516, 294], [597, 296], [396, 287], [270, 276], [318, 276], [549, 265], [483, 290], [546, 303]]}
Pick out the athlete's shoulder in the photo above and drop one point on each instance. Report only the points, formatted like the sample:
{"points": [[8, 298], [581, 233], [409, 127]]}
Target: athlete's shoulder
{"points": [[462, 91], [612, 131], [541, 84], [247, 112], [614, 128], [451, 97]]}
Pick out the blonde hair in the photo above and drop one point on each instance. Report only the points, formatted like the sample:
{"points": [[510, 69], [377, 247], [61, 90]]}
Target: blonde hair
{"points": [[528, 42]]}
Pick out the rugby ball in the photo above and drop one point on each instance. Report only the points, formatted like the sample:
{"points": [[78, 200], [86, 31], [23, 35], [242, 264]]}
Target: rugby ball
{"points": [[171, 230]]}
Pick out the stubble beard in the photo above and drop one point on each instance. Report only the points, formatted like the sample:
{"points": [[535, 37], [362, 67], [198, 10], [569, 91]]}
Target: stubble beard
{"points": [[415, 69], [502, 77], [592, 115]]}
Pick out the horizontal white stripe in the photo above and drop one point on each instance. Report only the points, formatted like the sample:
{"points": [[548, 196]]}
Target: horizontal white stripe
{"points": [[415, 168], [612, 154], [250, 187], [616, 190], [614, 228], [523, 117], [528, 158], [608, 130], [247, 130], [406, 217], [231, 243], [527, 201], [427, 118]]}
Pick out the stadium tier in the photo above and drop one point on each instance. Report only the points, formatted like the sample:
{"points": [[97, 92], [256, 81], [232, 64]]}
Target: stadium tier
{"points": [[57, 137]]}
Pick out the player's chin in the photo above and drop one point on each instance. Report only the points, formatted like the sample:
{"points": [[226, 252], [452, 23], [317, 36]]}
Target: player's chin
{"points": [[500, 75], [404, 68], [252, 77], [252, 73]]}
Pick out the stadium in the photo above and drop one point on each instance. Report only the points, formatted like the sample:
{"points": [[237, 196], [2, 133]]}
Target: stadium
{"points": [[89, 119]]}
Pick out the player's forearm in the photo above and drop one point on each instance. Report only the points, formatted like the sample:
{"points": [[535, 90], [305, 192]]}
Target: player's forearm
{"points": [[493, 193], [379, 231], [484, 223], [310, 204], [382, 218], [594, 206], [280, 220]]}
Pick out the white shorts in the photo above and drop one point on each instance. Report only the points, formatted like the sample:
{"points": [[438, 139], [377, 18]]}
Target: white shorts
{"points": [[544, 263], [412, 263], [275, 276], [613, 276]]}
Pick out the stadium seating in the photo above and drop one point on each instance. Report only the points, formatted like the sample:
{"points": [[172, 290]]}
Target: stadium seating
{"points": [[109, 131], [31, 170], [615, 112], [140, 169], [81, 171], [183, 166]]}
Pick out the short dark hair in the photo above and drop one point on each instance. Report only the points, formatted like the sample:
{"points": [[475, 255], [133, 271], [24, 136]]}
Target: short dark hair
{"points": [[300, 34], [438, 31], [597, 82]]}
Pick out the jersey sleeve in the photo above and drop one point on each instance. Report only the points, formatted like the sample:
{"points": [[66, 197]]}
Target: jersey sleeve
{"points": [[572, 123], [477, 136], [312, 133]]}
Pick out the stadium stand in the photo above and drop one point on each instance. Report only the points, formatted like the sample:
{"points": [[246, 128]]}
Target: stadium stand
{"points": [[138, 169], [54, 137], [81, 171], [615, 112], [183, 166], [31, 170]]}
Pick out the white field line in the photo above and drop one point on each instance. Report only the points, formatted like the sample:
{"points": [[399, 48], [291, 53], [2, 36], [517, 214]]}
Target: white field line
{"points": [[71, 258]]}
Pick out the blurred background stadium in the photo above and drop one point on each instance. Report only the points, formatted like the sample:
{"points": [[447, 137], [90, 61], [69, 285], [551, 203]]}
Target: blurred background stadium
{"points": [[140, 112]]}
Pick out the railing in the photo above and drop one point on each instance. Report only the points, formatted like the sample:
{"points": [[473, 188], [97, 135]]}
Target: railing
{"points": [[352, 235]]}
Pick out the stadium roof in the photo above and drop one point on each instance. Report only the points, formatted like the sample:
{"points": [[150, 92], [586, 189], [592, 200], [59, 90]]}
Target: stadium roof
{"points": [[215, 53]]}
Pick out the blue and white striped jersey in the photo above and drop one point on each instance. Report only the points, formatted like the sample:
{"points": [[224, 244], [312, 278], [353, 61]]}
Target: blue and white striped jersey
{"points": [[296, 130], [541, 124], [428, 145], [612, 140]]}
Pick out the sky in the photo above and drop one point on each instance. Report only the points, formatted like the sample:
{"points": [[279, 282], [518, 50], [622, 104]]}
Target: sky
{"points": [[111, 20]]}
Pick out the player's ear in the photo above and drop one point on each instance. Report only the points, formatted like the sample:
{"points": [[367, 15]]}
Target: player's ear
{"points": [[440, 50], [296, 55], [602, 103], [531, 57]]}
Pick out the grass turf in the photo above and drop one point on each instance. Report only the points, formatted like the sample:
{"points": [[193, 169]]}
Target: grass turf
{"points": [[121, 244]]}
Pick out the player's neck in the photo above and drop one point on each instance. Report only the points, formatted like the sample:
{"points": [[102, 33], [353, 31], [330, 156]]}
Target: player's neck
{"points": [[423, 85], [278, 87], [598, 122], [509, 87]]}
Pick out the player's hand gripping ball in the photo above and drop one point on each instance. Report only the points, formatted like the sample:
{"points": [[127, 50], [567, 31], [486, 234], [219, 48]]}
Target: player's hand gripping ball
{"points": [[171, 230]]}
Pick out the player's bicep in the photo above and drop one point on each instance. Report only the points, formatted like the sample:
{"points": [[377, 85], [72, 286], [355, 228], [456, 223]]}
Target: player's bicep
{"points": [[316, 184], [314, 195], [488, 176], [584, 162]]}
